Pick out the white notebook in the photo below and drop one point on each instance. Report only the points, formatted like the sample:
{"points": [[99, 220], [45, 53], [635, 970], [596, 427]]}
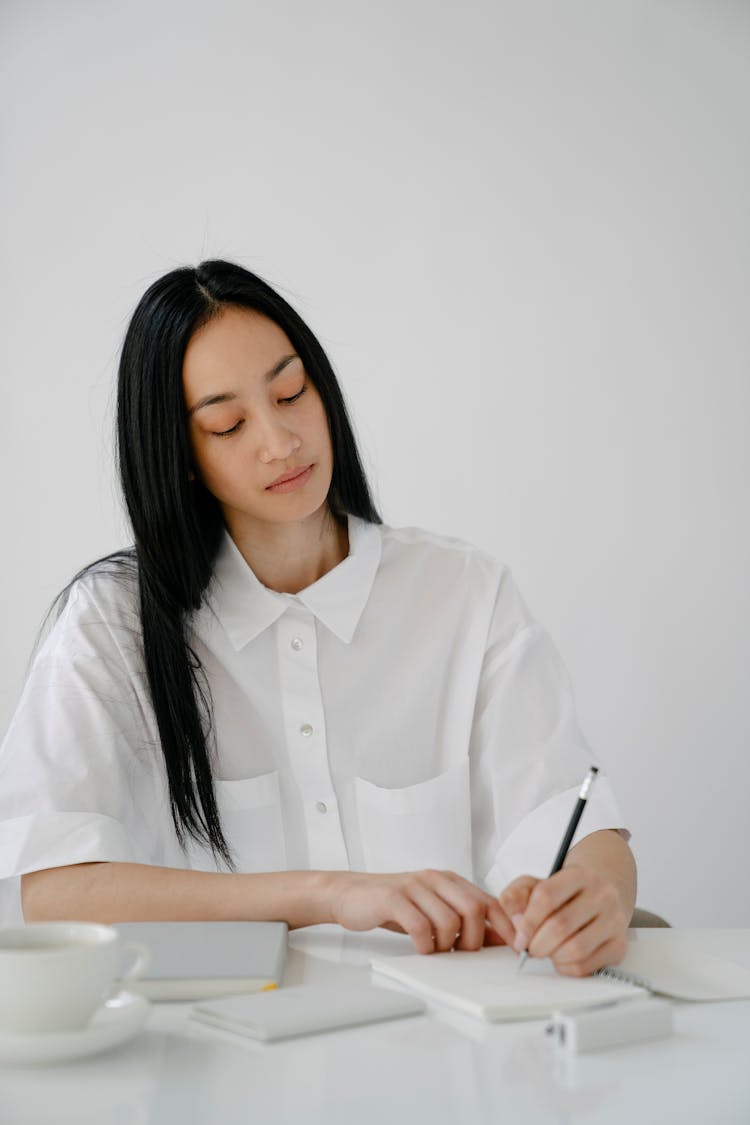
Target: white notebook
{"points": [[486, 984], [195, 960], [306, 1009]]}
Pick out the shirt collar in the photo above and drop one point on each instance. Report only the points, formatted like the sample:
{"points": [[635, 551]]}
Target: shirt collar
{"points": [[245, 607]]}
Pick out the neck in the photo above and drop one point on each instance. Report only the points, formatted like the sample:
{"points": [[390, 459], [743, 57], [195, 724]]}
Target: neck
{"points": [[289, 557]]}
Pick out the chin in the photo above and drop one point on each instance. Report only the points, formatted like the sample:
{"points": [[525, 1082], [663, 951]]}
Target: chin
{"points": [[293, 507]]}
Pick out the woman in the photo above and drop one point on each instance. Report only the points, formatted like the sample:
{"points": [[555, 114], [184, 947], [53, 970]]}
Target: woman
{"points": [[276, 707]]}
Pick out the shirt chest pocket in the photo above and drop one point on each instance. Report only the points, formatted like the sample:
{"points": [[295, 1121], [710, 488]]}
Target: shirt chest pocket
{"points": [[250, 812], [420, 826]]}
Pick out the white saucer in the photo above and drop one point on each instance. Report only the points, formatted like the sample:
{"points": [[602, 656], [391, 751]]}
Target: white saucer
{"points": [[115, 1022]]}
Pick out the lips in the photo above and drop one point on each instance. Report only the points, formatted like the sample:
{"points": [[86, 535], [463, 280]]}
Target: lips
{"points": [[291, 475]]}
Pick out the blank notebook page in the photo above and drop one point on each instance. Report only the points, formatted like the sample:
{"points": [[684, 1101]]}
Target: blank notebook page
{"points": [[486, 983]]}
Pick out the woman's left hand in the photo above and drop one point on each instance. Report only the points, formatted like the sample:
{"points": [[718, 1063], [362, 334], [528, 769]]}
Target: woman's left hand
{"points": [[576, 917]]}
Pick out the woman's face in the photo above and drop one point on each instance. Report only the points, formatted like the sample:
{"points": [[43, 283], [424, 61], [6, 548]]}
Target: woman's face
{"points": [[253, 416]]}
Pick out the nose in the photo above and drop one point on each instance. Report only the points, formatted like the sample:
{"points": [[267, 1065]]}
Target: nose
{"points": [[276, 441]]}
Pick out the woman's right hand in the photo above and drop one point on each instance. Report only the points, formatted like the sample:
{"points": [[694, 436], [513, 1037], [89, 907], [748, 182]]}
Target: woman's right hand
{"points": [[438, 909]]}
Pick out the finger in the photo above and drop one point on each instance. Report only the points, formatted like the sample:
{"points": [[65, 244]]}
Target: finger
{"points": [[547, 896], [446, 922], [610, 952], [580, 944], [403, 914], [559, 928], [492, 937], [470, 903], [514, 898], [597, 899], [608, 924], [489, 911], [501, 924]]}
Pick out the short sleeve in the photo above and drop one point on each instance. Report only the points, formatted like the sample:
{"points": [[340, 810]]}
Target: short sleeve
{"points": [[80, 776], [528, 755]]}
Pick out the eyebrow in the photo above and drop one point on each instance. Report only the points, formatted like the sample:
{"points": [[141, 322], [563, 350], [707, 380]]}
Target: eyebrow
{"points": [[228, 396]]}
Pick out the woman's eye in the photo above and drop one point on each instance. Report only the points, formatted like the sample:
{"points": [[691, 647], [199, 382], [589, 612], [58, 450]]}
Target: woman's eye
{"points": [[231, 430], [294, 397]]}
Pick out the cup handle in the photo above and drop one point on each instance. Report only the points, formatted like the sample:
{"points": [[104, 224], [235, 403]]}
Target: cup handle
{"points": [[141, 963]]}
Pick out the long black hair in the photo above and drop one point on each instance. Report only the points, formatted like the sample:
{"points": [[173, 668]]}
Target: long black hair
{"points": [[178, 525]]}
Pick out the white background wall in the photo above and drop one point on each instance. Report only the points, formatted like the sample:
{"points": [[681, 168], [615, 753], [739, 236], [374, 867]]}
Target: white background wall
{"points": [[520, 229]]}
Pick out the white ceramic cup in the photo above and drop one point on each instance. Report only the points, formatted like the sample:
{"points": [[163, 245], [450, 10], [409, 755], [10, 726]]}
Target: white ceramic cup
{"points": [[54, 975]]}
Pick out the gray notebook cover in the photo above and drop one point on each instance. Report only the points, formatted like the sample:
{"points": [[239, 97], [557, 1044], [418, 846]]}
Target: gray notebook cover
{"points": [[194, 960]]}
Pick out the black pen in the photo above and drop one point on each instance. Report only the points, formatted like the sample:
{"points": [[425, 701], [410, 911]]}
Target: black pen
{"points": [[588, 781]]}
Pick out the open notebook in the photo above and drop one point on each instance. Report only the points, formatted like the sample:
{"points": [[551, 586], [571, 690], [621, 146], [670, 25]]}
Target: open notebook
{"points": [[485, 984]]}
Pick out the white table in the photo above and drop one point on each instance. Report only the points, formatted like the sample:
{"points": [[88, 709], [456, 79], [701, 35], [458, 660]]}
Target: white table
{"points": [[430, 1069]]}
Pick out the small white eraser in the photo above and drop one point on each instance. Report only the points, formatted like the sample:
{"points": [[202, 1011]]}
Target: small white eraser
{"points": [[611, 1025]]}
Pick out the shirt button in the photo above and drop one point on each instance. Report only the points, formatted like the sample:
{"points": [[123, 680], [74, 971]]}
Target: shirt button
{"points": [[305, 730], [297, 643], [321, 807]]}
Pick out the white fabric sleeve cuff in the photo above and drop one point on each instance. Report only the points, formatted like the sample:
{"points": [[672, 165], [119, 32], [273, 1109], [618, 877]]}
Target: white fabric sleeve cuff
{"points": [[532, 846], [57, 839]]}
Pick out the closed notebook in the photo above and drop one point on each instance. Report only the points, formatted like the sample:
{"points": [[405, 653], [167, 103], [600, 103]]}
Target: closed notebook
{"points": [[195, 960], [486, 984], [306, 1009]]}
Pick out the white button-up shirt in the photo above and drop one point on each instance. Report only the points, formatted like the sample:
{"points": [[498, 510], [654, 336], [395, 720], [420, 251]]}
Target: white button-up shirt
{"points": [[404, 711]]}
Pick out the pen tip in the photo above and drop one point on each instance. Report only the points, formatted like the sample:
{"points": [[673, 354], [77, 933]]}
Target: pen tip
{"points": [[521, 960]]}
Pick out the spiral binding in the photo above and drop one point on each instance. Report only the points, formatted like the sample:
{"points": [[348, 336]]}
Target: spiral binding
{"points": [[611, 973]]}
